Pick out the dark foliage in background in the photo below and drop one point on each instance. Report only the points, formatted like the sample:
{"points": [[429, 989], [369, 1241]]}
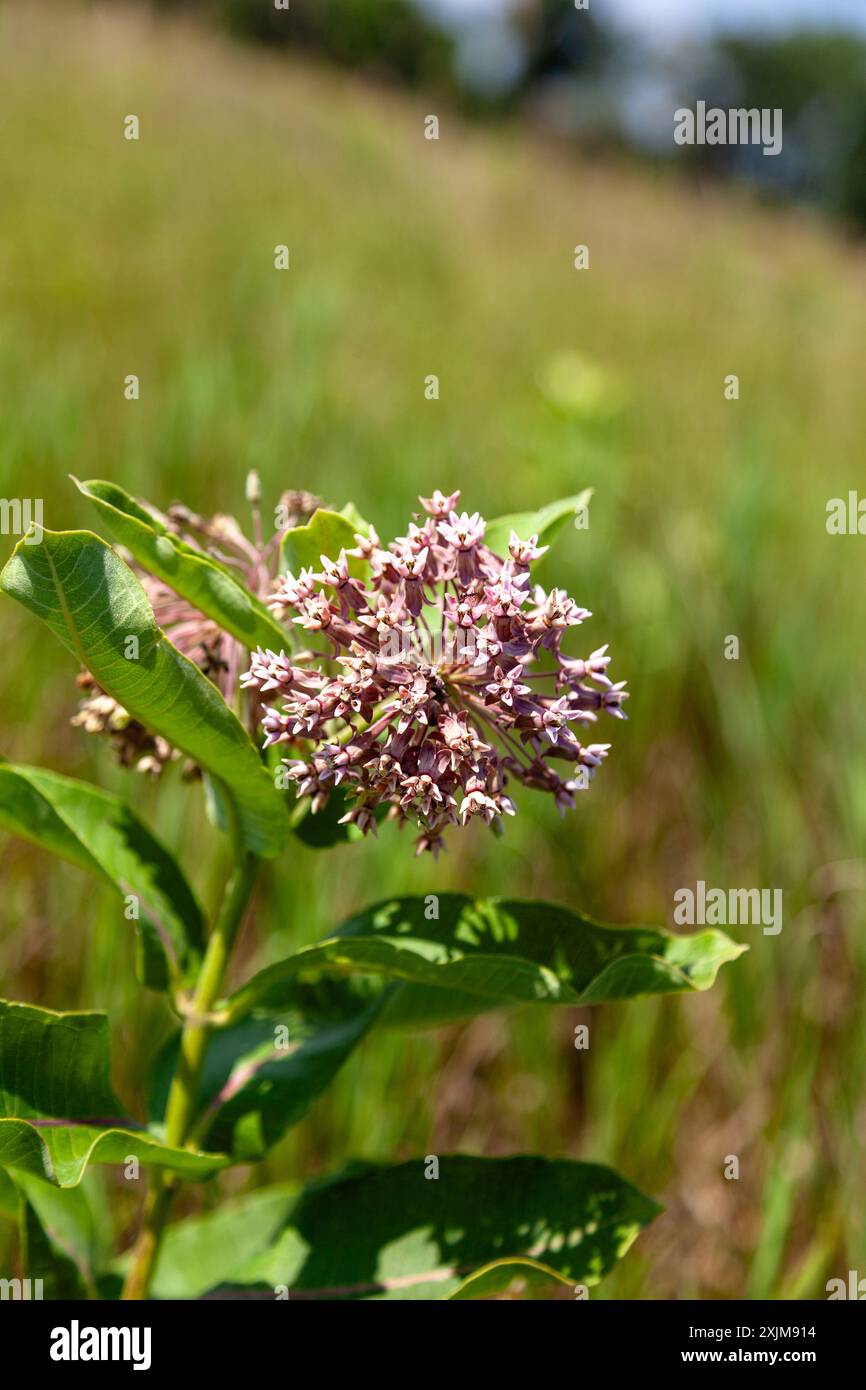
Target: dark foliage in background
{"points": [[389, 37], [558, 39], [819, 82], [577, 63]]}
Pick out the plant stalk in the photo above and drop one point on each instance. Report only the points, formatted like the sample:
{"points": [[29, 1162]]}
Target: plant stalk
{"points": [[183, 1095]]}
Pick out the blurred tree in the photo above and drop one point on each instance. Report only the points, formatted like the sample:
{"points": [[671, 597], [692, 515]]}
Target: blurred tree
{"points": [[564, 69], [390, 37], [567, 84], [559, 39], [819, 82]]}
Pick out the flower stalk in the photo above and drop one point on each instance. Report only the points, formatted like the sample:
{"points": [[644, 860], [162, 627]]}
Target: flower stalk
{"points": [[183, 1095]]}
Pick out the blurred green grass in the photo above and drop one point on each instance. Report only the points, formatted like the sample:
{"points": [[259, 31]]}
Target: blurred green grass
{"points": [[408, 258]]}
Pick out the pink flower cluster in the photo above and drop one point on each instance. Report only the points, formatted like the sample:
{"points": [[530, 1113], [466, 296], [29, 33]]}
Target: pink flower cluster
{"points": [[441, 679]]}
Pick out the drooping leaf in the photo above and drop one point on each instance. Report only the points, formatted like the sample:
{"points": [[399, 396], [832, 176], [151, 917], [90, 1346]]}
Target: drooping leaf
{"points": [[9, 1197], [62, 1243], [262, 1075], [48, 1270], [393, 1232], [95, 605], [494, 953], [508, 1273], [58, 1113], [545, 523], [98, 832], [205, 583], [326, 533]]}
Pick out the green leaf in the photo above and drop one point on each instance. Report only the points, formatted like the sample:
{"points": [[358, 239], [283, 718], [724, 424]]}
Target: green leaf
{"points": [[494, 953], [209, 586], [62, 1237], [203, 1252], [326, 533], [500, 1275], [322, 829], [546, 523], [390, 1232], [262, 1075], [9, 1198], [58, 1113], [359, 526], [97, 831], [94, 604]]}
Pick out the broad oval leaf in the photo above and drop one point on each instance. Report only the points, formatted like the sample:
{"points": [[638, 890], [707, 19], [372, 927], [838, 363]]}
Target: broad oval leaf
{"points": [[262, 1075], [359, 526], [545, 523], [493, 953], [63, 1239], [94, 604], [205, 583], [203, 1252], [326, 533], [391, 1232], [58, 1113], [98, 832]]}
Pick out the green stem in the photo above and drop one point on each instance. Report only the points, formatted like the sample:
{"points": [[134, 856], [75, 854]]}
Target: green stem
{"points": [[183, 1095], [196, 1033], [146, 1248]]}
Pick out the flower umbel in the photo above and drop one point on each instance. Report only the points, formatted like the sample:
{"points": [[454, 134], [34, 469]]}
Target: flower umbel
{"points": [[440, 679]]}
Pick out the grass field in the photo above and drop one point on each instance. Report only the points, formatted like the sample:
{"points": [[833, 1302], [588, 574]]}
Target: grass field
{"points": [[455, 257]]}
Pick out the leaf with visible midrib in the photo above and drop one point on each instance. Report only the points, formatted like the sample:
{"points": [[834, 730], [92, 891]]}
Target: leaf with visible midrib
{"points": [[205, 583], [487, 953], [257, 1082], [58, 1112], [390, 1232], [98, 832], [94, 604]]}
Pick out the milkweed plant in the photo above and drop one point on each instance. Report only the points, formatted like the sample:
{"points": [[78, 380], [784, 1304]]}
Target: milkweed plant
{"points": [[316, 685]]}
